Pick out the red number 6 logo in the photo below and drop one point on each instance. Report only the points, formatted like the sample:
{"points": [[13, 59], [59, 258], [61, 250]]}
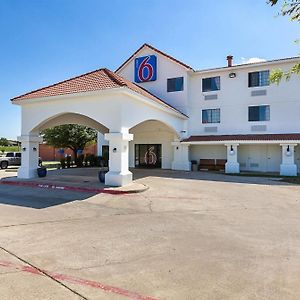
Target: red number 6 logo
{"points": [[145, 65]]}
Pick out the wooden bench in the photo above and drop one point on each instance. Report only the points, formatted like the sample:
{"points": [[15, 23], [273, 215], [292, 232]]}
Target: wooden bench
{"points": [[206, 164], [220, 164], [212, 164]]}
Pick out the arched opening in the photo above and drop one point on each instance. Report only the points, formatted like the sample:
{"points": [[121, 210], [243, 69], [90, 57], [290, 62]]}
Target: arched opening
{"points": [[152, 145], [77, 153], [70, 118]]}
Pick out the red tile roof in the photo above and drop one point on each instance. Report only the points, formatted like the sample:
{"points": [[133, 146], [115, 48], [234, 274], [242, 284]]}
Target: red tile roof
{"points": [[158, 51], [244, 137], [101, 79]]}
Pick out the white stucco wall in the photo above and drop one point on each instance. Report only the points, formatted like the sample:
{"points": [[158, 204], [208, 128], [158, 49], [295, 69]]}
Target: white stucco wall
{"points": [[207, 152], [116, 110], [166, 68], [234, 98], [263, 158], [260, 158]]}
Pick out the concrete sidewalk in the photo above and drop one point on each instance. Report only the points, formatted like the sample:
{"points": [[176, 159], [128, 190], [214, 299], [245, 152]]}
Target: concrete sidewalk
{"points": [[76, 179], [181, 239]]}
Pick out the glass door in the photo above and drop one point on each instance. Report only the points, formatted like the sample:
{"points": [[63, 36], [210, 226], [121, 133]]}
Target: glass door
{"points": [[148, 155]]}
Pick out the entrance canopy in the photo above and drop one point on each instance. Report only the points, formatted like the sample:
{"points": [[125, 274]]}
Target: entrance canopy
{"points": [[102, 100]]}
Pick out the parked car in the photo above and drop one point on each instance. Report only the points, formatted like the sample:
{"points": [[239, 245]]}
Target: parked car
{"points": [[12, 159]]}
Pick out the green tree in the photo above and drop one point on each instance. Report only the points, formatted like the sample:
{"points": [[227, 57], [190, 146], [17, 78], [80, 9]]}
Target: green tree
{"points": [[289, 8], [72, 136], [4, 142]]}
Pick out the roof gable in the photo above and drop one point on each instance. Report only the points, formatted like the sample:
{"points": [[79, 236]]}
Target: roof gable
{"points": [[157, 51]]}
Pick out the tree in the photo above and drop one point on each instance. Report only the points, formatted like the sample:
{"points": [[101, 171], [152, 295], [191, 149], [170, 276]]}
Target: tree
{"points": [[71, 136], [4, 142], [289, 8]]}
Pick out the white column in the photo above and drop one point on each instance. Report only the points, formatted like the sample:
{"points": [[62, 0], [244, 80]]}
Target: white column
{"points": [[118, 174], [232, 166], [30, 155], [181, 157], [288, 166]]}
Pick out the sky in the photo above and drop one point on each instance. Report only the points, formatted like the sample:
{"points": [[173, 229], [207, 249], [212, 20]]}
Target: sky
{"points": [[43, 42]]}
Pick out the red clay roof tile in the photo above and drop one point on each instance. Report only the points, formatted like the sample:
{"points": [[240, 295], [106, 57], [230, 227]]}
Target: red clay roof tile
{"points": [[101, 79], [158, 51]]}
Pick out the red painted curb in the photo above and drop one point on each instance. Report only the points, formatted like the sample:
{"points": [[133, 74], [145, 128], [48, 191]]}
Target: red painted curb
{"points": [[76, 280], [62, 188]]}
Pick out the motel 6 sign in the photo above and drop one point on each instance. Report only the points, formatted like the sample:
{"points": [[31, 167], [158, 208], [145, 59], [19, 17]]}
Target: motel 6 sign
{"points": [[145, 68]]}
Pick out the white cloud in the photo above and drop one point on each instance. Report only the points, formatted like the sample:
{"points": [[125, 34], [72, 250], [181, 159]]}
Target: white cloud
{"points": [[252, 60]]}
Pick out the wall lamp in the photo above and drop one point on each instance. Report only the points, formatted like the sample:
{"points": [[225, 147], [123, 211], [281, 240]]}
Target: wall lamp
{"points": [[114, 150], [288, 151], [231, 150], [24, 149], [232, 75], [34, 149]]}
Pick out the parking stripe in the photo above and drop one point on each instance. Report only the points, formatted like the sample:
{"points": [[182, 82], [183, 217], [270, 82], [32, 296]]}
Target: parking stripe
{"points": [[76, 281]]}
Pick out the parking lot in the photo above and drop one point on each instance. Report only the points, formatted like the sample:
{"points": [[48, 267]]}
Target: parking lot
{"points": [[191, 235]]}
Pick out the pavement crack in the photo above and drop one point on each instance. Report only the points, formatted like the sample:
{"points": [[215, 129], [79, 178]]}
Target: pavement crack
{"points": [[43, 272], [45, 222]]}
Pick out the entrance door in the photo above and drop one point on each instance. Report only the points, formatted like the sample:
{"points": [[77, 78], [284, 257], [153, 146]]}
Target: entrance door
{"points": [[148, 155]]}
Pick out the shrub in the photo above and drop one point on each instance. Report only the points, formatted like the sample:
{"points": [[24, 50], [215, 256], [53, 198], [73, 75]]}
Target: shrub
{"points": [[69, 158], [63, 163]]}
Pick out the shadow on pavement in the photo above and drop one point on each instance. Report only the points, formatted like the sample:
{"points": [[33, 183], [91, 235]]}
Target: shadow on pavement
{"points": [[207, 176]]}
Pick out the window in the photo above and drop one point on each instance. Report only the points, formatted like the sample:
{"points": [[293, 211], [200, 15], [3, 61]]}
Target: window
{"points": [[259, 78], [211, 84], [175, 84], [259, 113], [210, 116]]}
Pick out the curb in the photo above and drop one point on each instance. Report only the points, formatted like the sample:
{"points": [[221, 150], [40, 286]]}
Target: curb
{"points": [[70, 188]]}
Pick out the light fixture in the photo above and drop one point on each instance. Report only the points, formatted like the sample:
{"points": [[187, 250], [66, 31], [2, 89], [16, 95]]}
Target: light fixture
{"points": [[34, 149], [114, 150], [24, 149], [232, 75], [231, 150], [288, 151], [177, 148]]}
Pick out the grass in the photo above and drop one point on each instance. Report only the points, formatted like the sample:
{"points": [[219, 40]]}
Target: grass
{"points": [[9, 149], [51, 165]]}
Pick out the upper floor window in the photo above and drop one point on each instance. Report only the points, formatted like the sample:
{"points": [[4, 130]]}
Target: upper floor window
{"points": [[175, 84], [211, 116], [259, 113], [260, 78], [211, 84]]}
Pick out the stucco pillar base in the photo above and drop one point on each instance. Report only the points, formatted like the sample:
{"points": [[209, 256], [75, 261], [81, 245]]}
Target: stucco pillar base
{"points": [[118, 178], [288, 166], [288, 170], [26, 173], [118, 174], [232, 168], [30, 156], [181, 157]]}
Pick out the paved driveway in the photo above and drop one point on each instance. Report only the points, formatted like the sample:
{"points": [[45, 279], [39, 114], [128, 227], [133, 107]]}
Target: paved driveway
{"points": [[190, 236]]}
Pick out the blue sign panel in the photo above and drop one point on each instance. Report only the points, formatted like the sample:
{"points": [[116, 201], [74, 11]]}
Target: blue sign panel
{"points": [[145, 69]]}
